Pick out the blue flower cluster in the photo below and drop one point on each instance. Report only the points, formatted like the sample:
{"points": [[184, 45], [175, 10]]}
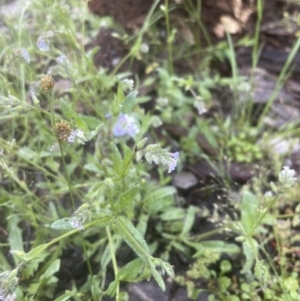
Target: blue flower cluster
{"points": [[125, 125]]}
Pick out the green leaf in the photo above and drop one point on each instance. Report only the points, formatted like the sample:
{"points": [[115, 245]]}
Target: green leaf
{"points": [[91, 121], [51, 270], [189, 220], [142, 224], [35, 253], [157, 277], [159, 194], [116, 158], [249, 249], [134, 271], [133, 238], [220, 246], [129, 102], [224, 283], [15, 235], [112, 288], [173, 214], [128, 157], [249, 212], [120, 93], [66, 296], [125, 199], [28, 153], [62, 224], [70, 114]]}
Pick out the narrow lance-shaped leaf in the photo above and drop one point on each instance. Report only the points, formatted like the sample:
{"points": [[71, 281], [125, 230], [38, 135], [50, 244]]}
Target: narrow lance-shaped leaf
{"points": [[132, 237], [189, 220], [128, 156], [62, 224], [157, 277], [249, 212], [125, 199], [129, 102], [116, 158], [70, 114]]}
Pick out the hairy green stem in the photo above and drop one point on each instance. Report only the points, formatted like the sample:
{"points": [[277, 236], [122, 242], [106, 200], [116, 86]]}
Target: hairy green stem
{"points": [[170, 49], [67, 175], [114, 261]]}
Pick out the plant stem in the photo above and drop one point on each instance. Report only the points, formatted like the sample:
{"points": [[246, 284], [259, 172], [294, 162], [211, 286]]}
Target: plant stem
{"points": [[114, 261], [170, 50], [67, 175]]}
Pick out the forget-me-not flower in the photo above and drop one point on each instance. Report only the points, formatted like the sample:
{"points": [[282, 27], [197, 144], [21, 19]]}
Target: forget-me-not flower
{"points": [[125, 125], [42, 45], [25, 55]]}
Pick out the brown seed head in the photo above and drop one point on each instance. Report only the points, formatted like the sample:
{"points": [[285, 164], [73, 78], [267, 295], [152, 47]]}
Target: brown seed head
{"points": [[47, 83], [62, 130]]}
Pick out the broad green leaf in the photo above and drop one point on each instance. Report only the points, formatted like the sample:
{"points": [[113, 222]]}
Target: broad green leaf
{"points": [[62, 224], [128, 157], [125, 199], [129, 102], [158, 277], [135, 270], [35, 253], [28, 153], [66, 296], [173, 214], [189, 220], [51, 270], [94, 168], [31, 267], [143, 223], [249, 212], [70, 114], [224, 283], [249, 249], [133, 238], [123, 296], [182, 248], [112, 288], [159, 194], [220, 246], [116, 158], [91, 121], [15, 235]]}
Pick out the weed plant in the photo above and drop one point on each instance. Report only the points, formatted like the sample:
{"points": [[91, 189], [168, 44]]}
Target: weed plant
{"points": [[78, 154]]}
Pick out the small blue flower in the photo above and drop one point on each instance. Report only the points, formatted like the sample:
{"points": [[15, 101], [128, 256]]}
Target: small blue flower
{"points": [[78, 136], [176, 155], [25, 55], [125, 125], [42, 45], [173, 162], [62, 59], [72, 136]]}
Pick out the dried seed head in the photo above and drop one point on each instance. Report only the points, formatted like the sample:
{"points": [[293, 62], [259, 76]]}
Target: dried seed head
{"points": [[62, 131], [47, 83]]}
